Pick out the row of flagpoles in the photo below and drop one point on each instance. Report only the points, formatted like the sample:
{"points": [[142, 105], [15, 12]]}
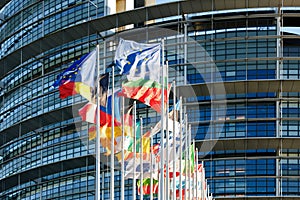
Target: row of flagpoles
{"points": [[168, 169]]}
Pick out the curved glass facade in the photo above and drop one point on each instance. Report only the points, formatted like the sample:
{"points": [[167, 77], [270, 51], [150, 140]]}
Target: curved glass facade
{"points": [[45, 154]]}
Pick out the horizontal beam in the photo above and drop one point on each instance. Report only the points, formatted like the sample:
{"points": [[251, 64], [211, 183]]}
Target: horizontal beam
{"points": [[239, 87], [248, 143]]}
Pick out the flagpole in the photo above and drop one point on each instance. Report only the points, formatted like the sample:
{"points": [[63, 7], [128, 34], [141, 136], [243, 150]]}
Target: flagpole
{"points": [[97, 145], [151, 169], [185, 155], [207, 189], [174, 140], [203, 182], [112, 147], [134, 151], [141, 158], [122, 161], [189, 163], [193, 179], [102, 185], [197, 173], [180, 149], [167, 138], [161, 174], [104, 64]]}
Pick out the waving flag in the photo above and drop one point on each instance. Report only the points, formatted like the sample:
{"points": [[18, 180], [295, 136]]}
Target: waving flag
{"points": [[141, 63], [171, 146], [106, 122], [88, 111], [157, 128], [146, 91], [192, 185], [190, 165], [135, 163], [79, 78], [128, 147], [138, 60], [146, 185]]}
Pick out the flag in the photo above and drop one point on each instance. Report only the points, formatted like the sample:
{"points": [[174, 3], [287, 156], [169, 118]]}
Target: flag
{"points": [[172, 111], [88, 112], [145, 140], [190, 161], [157, 128], [138, 60], [128, 145], [141, 63], [103, 88], [176, 173], [79, 78], [186, 184], [200, 186], [184, 187], [128, 148], [195, 187], [179, 140], [135, 160], [135, 163], [106, 129], [146, 185], [146, 91]]}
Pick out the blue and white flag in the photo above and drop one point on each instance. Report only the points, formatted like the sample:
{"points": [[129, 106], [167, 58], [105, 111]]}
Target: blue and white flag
{"points": [[135, 163], [170, 147], [138, 60]]}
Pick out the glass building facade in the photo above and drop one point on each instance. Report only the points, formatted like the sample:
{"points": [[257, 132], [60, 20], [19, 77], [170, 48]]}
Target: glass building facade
{"points": [[235, 62]]}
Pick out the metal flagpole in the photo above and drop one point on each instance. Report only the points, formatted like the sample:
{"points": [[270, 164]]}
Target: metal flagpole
{"points": [[174, 139], [98, 164], [112, 147], [134, 151], [197, 173], [203, 182], [102, 185], [180, 149], [151, 169], [141, 158], [167, 138], [185, 155], [104, 64], [161, 174], [207, 193], [122, 151], [195, 167], [189, 161]]}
